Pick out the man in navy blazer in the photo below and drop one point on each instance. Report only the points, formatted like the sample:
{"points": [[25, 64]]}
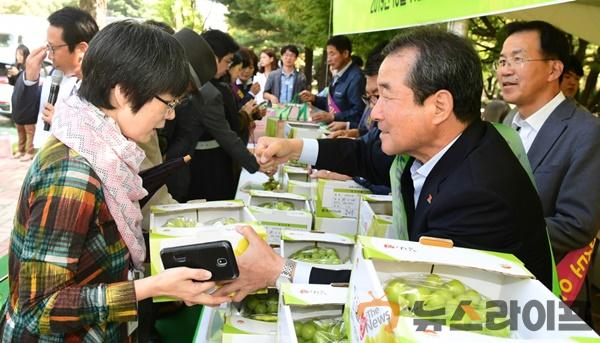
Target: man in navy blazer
{"points": [[343, 101], [462, 182]]}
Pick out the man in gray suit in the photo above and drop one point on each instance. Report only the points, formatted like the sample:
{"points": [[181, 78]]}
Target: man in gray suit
{"points": [[561, 139], [285, 83]]}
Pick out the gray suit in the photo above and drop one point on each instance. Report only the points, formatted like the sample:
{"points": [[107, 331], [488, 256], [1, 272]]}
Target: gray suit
{"points": [[566, 167], [273, 84]]}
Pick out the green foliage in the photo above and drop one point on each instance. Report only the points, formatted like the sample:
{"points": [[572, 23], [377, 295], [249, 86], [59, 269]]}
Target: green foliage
{"points": [[177, 13], [125, 8]]}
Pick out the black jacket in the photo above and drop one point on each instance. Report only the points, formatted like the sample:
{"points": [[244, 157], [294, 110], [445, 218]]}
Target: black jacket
{"points": [[477, 194]]}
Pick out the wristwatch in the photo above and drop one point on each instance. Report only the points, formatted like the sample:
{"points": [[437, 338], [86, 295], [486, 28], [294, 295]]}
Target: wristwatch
{"points": [[287, 273]]}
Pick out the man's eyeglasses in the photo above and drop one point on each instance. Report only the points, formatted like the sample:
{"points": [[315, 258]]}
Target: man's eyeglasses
{"points": [[173, 103], [370, 99], [52, 48], [517, 61]]}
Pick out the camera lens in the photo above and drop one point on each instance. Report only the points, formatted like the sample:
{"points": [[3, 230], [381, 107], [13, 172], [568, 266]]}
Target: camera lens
{"points": [[221, 262]]}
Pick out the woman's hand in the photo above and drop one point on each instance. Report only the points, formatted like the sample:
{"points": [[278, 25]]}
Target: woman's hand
{"points": [[255, 88], [249, 107], [183, 283]]}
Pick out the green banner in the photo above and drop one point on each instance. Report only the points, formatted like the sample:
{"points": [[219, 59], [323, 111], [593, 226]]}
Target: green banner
{"points": [[353, 16]]}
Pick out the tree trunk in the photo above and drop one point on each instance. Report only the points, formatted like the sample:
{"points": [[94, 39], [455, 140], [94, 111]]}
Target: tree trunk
{"points": [[322, 71], [308, 64], [580, 53], [590, 81], [96, 8]]}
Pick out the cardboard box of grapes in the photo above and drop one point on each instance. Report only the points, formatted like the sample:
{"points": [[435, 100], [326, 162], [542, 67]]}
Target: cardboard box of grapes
{"points": [[198, 214], [375, 216], [324, 250], [304, 130], [340, 226], [174, 237], [311, 313], [253, 320], [407, 291], [278, 211], [210, 325], [338, 199]]}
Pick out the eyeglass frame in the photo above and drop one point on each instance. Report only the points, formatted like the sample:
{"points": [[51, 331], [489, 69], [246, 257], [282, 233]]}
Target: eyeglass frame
{"points": [[173, 103], [517, 62], [368, 99], [52, 48]]}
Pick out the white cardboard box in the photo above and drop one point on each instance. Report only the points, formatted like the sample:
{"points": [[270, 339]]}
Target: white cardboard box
{"points": [[204, 213], [303, 130], [494, 275], [307, 189], [275, 220], [303, 301], [238, 329], [375, 217], [337, 199], [293, 241], [340, 226], [210, 325]]}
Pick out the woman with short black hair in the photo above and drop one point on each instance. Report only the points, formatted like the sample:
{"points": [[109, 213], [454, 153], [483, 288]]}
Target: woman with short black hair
{"points": [[77, 237]]}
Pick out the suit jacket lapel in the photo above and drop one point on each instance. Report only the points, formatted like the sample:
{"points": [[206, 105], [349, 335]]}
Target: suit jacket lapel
{"points": [[455, 156], [552, 129]]}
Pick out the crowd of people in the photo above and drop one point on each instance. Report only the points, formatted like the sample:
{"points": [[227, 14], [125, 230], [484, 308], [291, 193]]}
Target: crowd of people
{"points": [[408, 123]]}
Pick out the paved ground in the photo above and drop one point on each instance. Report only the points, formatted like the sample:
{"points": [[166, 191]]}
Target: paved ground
{"points": [[12, 173]]}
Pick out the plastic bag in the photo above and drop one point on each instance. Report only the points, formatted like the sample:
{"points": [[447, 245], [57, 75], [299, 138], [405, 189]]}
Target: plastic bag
{"points": [[329, 330], [279, 205], [317, 255], [445, 301], [180, 222], [261, 307]]}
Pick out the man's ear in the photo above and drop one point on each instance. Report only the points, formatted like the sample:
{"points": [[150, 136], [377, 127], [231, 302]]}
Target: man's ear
{"points": [[81, 49], [443, 104], [556, 70]]}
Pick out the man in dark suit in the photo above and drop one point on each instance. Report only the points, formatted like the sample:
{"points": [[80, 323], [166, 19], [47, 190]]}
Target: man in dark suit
{"points": [[560, 137], [343, 101], [285, 83], [462, 182]]}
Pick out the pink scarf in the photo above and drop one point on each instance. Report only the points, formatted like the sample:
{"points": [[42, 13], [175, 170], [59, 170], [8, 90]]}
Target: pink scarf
{"points": [[96, 137]]}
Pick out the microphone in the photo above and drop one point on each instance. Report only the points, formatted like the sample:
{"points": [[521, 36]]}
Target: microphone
{"points": [[57, 76]]}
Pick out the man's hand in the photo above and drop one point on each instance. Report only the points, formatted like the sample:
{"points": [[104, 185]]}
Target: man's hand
{"points": [[326, 174], [337, 125], [33, 64], [48, 113], [307, 96], [271, 152], [326, 117], [259, 267], [352, 133]]}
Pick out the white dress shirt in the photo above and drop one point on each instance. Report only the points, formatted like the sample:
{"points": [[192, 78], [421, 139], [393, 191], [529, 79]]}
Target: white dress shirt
{"points": [[68, 86], [529, 128], [420, 171]]}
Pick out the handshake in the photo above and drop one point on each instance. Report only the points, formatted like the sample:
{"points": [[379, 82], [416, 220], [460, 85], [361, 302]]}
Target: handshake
{"points": [[271, 152]]}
